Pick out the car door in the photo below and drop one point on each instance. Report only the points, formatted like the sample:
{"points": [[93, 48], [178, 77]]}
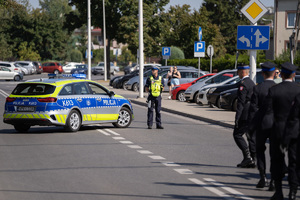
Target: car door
{"points": [[7, 74], [107, 105]]}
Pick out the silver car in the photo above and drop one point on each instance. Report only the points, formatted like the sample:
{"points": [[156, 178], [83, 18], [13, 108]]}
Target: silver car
{"points": [[29, 65], [11, 66], [99, 69]]}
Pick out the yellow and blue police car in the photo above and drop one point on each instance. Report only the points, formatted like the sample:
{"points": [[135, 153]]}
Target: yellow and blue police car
{"points": [[65, 102]]}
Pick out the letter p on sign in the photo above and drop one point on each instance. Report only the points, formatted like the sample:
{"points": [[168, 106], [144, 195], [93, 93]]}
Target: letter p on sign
{"points": [[166, 51]]}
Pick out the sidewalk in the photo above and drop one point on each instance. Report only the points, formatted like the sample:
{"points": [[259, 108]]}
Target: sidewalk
{"points": [[192, 110]]}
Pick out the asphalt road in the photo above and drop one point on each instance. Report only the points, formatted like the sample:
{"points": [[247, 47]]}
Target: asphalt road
{"points": [[189, 159]]}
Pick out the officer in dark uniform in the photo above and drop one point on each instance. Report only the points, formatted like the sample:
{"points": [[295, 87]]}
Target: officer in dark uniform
{"points": [[259, 94], [154, 85], [244, 94], [279, 103]]}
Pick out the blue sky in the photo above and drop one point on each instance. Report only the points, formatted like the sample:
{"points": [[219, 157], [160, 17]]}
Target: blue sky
{"points": [[193, 3]]}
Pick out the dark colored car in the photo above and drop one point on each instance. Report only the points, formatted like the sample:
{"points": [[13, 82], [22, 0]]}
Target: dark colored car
{"points": [[121, 81], [213, 95], [38, 67], [80, 69], [129, 68], [228, 99], [52, 67]]}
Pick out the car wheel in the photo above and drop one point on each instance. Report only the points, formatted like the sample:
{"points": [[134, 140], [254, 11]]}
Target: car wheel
{"points": [[17, 78], [180, 96], [135, 87], [197, 100], [22, 128], [195, 97], [56, 72], [125, 118], [234, 105], [113, 73], [218, 103], [73, 122], [124, 84]]}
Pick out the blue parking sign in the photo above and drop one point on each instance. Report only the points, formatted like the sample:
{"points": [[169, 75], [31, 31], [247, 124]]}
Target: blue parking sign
{"points": [[166, 51], [199, 49]]}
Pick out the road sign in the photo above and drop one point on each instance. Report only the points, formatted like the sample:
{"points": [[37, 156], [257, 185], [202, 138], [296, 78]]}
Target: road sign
{"points": [[200, 33], [86, 54], [210, 50], [199, 49], [253, 37], [166, 51], [254, 10]]}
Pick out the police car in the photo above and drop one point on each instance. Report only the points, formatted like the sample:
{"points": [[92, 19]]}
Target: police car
{"points": [[65, 102]]}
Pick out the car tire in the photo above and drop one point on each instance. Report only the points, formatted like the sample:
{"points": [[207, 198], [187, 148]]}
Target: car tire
{"points": [[135, 87], [234, 105], [17, 78], [195, 97], [73, 123], [22, 128], [180, 96], [124, 84], [56, 72], [218, 103], [125, 118], [197, 100]]}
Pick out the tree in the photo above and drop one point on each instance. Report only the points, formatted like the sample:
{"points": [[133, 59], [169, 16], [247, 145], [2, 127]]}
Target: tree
{"points": [[122, 21], [176, 53], [227, 15], [5, 49], [75, 55], [27, 52]]}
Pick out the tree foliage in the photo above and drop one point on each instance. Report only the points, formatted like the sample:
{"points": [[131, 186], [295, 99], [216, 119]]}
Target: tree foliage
{"points": [[26, 52]]}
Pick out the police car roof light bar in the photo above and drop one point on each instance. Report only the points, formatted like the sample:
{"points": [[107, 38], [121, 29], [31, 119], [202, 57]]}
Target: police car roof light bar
{"points": [[67, 76]]}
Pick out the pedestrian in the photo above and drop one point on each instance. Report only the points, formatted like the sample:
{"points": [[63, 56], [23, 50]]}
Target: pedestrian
{"points": [[260, 92], [244, 94], [169, 77], [154, 86], [175, 77], [277, 78], [279, 103]]}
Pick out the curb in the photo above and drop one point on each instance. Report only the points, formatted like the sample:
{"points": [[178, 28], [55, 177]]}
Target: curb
{"points": [[196, 117]]}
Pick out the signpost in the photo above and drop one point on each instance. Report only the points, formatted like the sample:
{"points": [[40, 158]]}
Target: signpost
{"points": [[199, 49], [210, 53], [253, 10], [166, 53]]}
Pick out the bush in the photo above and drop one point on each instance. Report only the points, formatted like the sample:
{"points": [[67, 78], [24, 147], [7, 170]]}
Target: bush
{"points": [[76, 56], [176, 53]]}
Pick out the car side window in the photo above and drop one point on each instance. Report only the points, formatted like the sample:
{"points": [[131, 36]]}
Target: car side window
{"points": [[5, 69], [80, 88], [67, 90], [52, 64], [195, 74], [96, 89]]}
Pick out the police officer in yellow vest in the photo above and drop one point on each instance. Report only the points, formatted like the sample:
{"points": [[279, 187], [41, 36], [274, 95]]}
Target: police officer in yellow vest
{"points": [[154, 86]]}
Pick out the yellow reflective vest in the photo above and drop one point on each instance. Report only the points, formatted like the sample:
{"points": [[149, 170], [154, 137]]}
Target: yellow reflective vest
{"points": [[156, 86]]}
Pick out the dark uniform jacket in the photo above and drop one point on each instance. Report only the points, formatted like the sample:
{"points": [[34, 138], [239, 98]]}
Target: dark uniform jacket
{"points": [[259, 95], [244, 94], [279, 103], [292, 126]]}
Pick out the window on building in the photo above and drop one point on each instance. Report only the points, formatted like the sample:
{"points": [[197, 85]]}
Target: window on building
{"points": [[291, 19]]}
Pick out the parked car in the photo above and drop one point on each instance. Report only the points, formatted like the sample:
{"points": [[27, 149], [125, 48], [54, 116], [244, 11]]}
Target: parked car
{"points": [[178, 90], [191, 92], [11, 66], [25, 71], [8, 74], [121, 81], [228, 99], [80, 69], [38, 67], [127, 69], [52, 67], [137, 67], [99, 69], [213, 95], [29, 65], [68, 67]]}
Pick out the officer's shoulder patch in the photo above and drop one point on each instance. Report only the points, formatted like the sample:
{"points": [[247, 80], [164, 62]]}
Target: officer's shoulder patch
{"points": [[241, 88]]}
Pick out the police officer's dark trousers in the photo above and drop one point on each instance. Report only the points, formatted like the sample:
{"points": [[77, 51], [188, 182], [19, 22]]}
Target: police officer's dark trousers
{"points": [[155, 103], [261, 139]]}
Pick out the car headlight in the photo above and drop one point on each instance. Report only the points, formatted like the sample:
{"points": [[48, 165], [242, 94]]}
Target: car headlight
{"points": [[211, 90]]}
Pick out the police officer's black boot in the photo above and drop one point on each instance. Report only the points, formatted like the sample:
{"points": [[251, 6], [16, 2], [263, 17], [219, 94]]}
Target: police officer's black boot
{"points": [[247, 161], [293, 194], [271, 185], [253, 156], [278, 195], [263, 182]]}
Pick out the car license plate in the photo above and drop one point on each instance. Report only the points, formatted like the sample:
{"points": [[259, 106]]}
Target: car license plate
{"points": [[25, 109]]}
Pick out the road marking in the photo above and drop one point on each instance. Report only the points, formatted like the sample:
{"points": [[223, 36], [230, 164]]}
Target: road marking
{"points": [[118, 138], [211, 189], [144, 152], [103, 132], [184, 171], [232, 191], [126, 142], [112, 132], [135, 146], [170, 164], [156, 157], [3, 93]]}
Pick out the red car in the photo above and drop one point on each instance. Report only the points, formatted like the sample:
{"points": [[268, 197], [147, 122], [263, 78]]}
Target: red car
{"points": [[178, 90], [52, 67]]}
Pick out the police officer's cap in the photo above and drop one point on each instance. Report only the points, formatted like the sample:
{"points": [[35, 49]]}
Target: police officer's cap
{"points": [[288, 68], [155, 68], [268, 66], [243, 67]]}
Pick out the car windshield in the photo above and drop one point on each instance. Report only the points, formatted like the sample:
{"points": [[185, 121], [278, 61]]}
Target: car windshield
{"points": [[33, 89], [202, 79], [17, 65], [80, 67]]}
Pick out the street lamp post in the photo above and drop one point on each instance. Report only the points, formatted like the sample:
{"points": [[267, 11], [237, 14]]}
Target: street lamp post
{"points": [[89, 41], [141, 48], [104, 40]]}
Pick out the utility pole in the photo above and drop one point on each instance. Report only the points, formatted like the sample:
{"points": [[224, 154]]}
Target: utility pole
{"points": [[141, 48], [104, 39], [89, 41]]}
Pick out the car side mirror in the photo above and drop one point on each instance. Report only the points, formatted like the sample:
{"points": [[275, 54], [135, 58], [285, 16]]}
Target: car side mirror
{"points": [[111, 93]]}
